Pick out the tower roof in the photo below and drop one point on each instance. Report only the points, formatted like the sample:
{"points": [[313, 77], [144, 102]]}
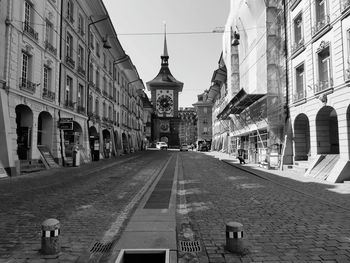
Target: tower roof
{"points": [[164, 77]]}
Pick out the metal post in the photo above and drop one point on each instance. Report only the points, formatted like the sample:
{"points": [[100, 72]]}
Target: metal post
{"points": [[234, 237], [50, 243]]}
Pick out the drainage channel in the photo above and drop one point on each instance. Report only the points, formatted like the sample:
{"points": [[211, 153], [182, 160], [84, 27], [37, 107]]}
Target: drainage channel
{"points": [[101, 251], [161, 194]]}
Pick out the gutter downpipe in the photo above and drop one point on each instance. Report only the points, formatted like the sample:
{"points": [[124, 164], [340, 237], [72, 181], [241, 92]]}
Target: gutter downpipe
{"points": [[286, 105]]}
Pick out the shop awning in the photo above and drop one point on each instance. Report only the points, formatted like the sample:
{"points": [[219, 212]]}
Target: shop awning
{"points": [[238, 103]]}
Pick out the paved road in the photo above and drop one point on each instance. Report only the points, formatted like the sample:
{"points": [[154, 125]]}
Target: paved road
{"points": [[86, 201], [281, 224], [284, 220]]}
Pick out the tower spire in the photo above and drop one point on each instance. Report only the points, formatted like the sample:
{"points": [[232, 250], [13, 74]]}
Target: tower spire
{"points": [[165, 55], [165, 52]]}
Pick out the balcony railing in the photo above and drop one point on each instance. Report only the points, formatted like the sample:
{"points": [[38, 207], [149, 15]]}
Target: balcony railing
{"points": [[69, 104], [31, 32], [320, 24], [105, 93], [347, 75], [98, 89], [298, 45], [49, 95], [49, 47], [345, 5], [81, 109], [91, 83], [27, 85], [70, 62], [70, 18], [323, 85], [299, 95], [81, 70], [81, 31]]}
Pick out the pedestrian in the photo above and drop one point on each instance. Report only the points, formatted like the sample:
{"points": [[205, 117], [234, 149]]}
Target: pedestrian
{"points": [[241, 160], [107, 145]]}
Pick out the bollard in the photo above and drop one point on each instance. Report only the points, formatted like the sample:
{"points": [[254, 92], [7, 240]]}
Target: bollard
{"points": [[50, 243], [234, 237]]}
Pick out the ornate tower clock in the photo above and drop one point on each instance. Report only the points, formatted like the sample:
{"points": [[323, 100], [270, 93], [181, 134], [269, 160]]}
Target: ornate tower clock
{"points": [[165, 99]]}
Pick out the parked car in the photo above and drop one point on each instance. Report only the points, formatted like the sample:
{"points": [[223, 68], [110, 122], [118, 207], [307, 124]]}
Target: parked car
{"points": [[184, 147], [162, 145], [203, 148]]}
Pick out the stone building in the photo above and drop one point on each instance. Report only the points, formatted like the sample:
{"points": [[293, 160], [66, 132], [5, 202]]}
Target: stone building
{"points": [[318, 91], [188, 125], [59, 74], [248, 88], [203, 108]]}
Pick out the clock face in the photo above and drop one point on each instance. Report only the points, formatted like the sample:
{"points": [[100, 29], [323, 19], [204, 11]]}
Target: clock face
{"points": [[164, 103]]}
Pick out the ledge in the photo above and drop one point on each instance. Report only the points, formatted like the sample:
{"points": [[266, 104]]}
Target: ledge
{"points": [[320, 33], [295, 53]]}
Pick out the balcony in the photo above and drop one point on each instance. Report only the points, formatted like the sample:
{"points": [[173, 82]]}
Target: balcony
{"points": [[111, 97], [320, 27], [81, 109], [105, 93], [69, 104], [323, 85], [81, 70], [30, 31], [70, 18], [347, 75], [98, 89], [27, 85], [49, 47], [70, 62], [298, 47], [104, 119], [91, 83], [344, 6], [299, 95], [81, 31], [49, 95]]}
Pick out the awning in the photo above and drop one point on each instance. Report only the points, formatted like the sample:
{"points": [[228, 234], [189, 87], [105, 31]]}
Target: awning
{"points": [[239, 103]]}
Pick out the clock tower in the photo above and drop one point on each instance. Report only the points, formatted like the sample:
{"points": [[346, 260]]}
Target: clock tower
{"points": [[165, 99]]}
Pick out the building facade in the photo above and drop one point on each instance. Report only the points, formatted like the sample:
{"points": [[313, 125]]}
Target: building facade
{"points": [[203, 108], [248, 88], [165, 90], [59, 83], [188, 125], [319, 97]]}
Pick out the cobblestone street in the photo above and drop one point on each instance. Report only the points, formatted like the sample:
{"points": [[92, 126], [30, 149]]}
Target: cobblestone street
{"points": [[86, 201], [284, 220], [286, 217]]}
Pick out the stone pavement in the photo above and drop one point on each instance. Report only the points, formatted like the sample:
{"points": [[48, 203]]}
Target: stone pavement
{"points": [[86, 200], [286, 217]]}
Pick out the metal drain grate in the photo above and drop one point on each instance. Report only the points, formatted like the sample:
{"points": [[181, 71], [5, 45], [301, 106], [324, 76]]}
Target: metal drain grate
{"points": [[190, 246], [99, 247]]}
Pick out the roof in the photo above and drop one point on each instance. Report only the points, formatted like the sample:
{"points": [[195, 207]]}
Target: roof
{"points": [[164, 77]]}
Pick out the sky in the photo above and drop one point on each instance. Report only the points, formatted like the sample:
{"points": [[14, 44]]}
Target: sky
{"points": [[192, 56]]}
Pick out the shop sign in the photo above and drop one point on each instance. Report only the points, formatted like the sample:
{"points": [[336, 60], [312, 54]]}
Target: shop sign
{"points": [[65, 125], [65, 119]]}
